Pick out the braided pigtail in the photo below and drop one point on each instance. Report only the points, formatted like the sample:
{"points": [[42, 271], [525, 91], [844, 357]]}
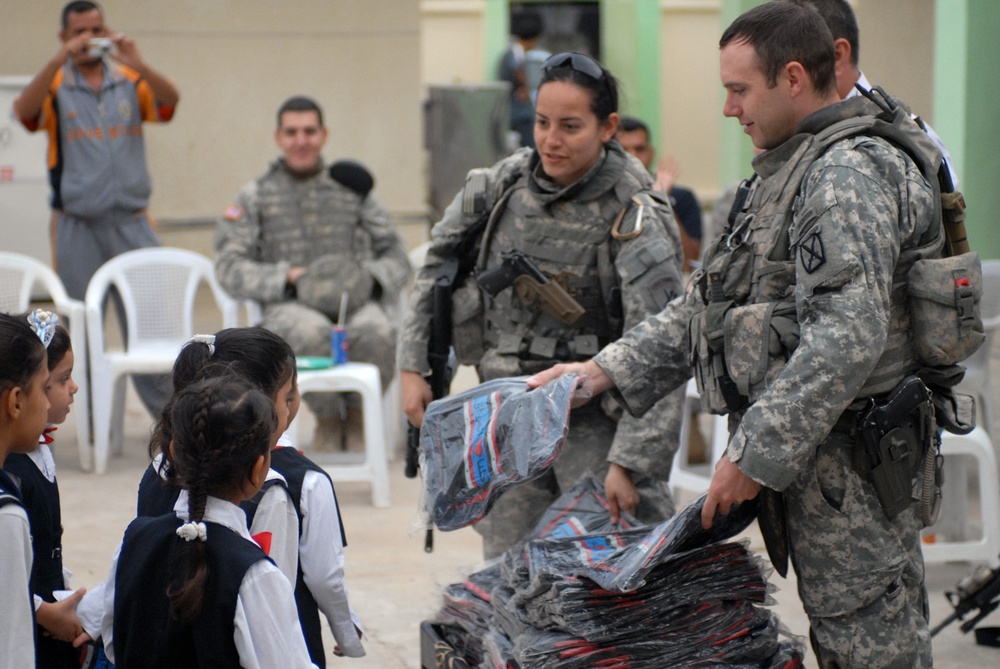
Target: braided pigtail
{"points": [[195, 355], [222, 425], [186, 597]]}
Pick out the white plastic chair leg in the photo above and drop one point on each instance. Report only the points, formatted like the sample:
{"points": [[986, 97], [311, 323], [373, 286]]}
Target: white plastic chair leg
{"points": [[978, 445]]}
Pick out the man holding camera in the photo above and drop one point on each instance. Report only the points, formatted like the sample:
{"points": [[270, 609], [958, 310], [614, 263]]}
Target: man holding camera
{"points": [[92, 108]]}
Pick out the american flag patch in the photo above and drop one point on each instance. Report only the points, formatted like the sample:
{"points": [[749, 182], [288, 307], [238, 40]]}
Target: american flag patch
{"points": [[233, 213]]}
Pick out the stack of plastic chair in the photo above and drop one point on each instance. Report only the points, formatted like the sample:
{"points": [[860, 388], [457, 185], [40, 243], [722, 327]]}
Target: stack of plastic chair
{"points": [[953, 537], [158, 288], [19, 275]]}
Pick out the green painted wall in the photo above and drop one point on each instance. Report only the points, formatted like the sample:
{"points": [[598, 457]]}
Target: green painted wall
{"points": [[735, 147], [496, 28], [630, 47], [967, 96]]}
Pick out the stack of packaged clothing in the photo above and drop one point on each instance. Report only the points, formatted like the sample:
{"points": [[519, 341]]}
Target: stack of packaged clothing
{"points": [[582, 594]]}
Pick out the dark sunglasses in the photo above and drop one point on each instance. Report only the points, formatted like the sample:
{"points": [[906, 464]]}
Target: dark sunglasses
{"points": [[578, 62]]}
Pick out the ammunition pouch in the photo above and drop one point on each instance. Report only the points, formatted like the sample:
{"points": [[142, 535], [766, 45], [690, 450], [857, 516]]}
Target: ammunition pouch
{"points": [[944, 296], [580, 347], [738, 351]]}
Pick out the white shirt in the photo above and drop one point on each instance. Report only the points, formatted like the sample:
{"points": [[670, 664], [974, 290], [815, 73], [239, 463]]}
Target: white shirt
{"points": [[865, 84], [267, 631], [17, 626], [321, 552], [276, 514]]}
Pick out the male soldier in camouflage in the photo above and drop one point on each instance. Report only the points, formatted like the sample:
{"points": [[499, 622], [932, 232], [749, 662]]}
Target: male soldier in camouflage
{"points": [[299, 238], [584, 212], [805, 294]]}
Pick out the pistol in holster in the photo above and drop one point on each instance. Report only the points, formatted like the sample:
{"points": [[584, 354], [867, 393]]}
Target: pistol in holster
{"points": [[897, 432], [532, 286]]}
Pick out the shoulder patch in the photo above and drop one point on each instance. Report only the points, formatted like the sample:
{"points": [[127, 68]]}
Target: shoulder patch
{"points": [[233, 212], [811, 253]]}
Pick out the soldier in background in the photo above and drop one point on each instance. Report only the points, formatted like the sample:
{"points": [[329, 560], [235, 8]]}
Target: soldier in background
{"points": [[584, 212], [300, 238], [634, 137]]}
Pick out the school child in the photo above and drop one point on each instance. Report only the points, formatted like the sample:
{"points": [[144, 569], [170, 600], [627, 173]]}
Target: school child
{"points": [[320, 585], [23, 411], [191, 588], [34, 473], [266, 361]]}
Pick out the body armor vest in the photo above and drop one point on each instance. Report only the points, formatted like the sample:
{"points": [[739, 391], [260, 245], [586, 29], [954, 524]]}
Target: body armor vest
{"points": [[569, 241], [304, 219], [750, 273]]}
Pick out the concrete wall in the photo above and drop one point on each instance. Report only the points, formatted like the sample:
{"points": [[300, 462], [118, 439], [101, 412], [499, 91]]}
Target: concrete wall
{"points": [[234, 62]]}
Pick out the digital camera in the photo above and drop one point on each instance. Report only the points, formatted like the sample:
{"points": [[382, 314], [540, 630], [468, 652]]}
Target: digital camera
{"points": [[98, 47]]}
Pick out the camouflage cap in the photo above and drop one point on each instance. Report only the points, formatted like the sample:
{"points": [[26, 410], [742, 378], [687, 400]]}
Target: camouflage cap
{"points": [[329, 277]]}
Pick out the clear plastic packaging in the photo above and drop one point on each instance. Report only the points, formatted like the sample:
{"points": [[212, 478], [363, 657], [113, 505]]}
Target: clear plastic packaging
{"points": [[477, 444]]}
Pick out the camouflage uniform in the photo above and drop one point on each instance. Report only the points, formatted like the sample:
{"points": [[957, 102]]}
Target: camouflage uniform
{"points": [[825, 239], [346, 241], [567, 233]]}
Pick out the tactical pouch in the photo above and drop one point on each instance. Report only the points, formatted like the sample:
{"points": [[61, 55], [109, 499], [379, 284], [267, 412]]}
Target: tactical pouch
{"points": [[944, 303], [707, 356], [467, 323], [759, 338]]}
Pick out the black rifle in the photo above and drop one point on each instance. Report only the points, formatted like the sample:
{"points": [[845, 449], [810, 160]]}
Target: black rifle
{"points": [[451, 273], [979, 592]]}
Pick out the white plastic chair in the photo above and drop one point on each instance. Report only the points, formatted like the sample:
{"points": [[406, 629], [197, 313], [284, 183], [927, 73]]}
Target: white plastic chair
{"points": [[158, 287], [976, 444], [19, 274], [361, 378]]}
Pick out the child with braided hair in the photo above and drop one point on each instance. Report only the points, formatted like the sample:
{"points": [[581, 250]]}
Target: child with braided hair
{"points": [[23, 410], [266, 361], [191, 588], [318, 539]]}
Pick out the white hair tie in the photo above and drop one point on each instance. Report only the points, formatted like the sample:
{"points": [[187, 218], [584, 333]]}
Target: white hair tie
{"points": [[192, 530], [207, 340], [44, 325]]}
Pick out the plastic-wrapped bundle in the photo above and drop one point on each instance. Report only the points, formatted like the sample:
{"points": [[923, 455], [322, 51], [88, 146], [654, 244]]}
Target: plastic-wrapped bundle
{"points": [[478, 443], [497, 649], [580, 607], [468, 604], [583, 509], [720, 631], [627, 569]]}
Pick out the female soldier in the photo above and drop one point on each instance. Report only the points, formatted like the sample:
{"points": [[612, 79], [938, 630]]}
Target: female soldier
{"points": [[582, 210]]}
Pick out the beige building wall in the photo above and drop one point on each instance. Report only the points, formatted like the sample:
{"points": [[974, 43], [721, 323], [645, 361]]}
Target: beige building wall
{"points": [[452, 41], [234, 62], [690, 92]]}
